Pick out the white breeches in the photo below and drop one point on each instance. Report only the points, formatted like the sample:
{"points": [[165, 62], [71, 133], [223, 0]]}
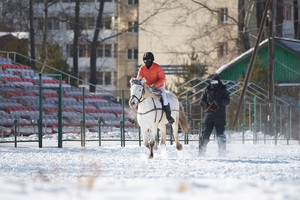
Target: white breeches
{"points": [[163, 95]]}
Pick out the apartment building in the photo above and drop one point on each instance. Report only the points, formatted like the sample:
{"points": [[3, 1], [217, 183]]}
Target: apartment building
{"points": [[127, 59]]}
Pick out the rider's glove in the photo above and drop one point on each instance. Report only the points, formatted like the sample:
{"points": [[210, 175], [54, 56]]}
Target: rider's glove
{"points": [[153, 87], [155, 90]]}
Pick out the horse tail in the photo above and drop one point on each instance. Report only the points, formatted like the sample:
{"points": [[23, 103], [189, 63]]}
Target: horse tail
{"points": [[183, 122]]}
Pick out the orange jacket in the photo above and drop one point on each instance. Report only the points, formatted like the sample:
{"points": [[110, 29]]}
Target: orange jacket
{"points": [[154, 75]]}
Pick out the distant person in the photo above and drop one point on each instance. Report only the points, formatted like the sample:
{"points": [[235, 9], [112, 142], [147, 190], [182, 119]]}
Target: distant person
{"points": [[214, 102], [155, 77]]}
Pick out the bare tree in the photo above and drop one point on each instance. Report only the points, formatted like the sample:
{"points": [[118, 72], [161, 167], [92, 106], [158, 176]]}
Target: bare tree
{"points": [[243, 40], [260, 7], [94, 44], [14, 15], [43, 50], [32, 36], [243, 43], [279, 17], [212, 31], [297, 19], [76, 37], [45, 32]]}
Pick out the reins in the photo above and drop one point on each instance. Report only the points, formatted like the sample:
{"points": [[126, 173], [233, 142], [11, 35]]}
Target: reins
{"points": [[144, 113]]}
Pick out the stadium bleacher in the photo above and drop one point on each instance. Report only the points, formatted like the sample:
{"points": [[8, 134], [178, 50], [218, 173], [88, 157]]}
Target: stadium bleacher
{"points": [[19, 99]]}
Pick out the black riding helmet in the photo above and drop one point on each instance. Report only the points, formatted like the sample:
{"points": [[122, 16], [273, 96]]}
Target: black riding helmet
{"points": [[148, 55], [215, 81], [148, 59]]}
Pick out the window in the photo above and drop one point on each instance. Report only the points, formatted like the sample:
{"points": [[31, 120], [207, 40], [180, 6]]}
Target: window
{"points": [[40, 24], [100, 78], [107, 78], [104, 78], [106, 24], [107, 50], [100, 51], [104, 51], [132, 54], [69, 50], [84, 76], [287, 12], [115, 50], [84, 51], [133, 27], [223, 49], [133, 2], [53, 24], [223, 15], [87, 22]]}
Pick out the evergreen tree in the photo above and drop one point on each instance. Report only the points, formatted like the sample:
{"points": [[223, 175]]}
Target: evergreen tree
{"points": [[56, 60], [259, 75], [193, 70]]}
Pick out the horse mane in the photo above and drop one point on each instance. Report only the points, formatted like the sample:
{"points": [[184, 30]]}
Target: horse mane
{"points": [[136, 81], [150, 92], [142, 82]]}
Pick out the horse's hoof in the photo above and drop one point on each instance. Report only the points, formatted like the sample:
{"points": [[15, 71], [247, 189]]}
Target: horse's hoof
{"points": [[150, 156], [179, 147]]}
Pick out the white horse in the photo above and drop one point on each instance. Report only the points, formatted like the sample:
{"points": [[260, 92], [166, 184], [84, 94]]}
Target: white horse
{"points": [[151, 117]]}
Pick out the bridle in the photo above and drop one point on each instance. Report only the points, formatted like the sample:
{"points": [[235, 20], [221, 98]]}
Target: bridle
{"points": [[140, 98]]}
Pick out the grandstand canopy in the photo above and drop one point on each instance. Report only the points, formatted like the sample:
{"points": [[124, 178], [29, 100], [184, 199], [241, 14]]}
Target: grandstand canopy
{"points": [[286, 63]]}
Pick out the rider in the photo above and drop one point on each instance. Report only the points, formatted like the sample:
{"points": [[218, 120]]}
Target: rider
{"points": [[155, 77]]}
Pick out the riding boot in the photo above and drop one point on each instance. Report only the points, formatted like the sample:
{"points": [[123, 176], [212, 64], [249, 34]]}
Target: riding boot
{"points": [[202, 147], [222, 145], [168, 114]]}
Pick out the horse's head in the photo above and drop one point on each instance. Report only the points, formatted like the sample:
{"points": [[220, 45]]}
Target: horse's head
{"points": [[136, 91]]}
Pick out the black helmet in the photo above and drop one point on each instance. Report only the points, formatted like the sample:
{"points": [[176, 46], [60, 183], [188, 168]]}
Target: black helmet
{"points": [[215, 81], [148, 55], [216, 77]]}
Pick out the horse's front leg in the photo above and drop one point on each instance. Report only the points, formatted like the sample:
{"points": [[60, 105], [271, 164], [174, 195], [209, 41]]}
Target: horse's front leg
{"points": [[175, 133], [145, 137], [163, 135], [151, 145]]}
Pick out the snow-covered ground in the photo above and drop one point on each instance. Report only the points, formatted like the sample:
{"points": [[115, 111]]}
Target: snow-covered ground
{"points": [[111, 172]]}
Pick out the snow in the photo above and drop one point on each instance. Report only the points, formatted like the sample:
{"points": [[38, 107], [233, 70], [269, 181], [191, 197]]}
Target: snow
{"points": [[111, 172], [20, 35]]}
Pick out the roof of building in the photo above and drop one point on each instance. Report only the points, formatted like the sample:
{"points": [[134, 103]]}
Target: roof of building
{"points": [[290, 44], [20, 35]]}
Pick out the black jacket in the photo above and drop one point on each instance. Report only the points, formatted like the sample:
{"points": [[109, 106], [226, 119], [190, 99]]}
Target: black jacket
{"points": [[214, 101]]}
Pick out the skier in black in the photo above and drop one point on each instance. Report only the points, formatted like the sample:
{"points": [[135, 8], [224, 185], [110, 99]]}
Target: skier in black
{"points": [[214, 101]]}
